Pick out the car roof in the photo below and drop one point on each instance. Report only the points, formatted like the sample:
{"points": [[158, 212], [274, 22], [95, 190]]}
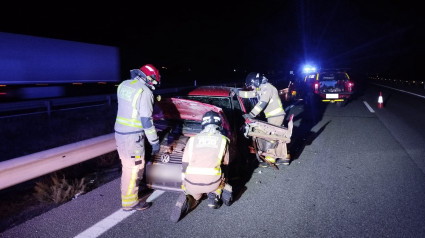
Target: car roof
{"points": [[219, 91]]}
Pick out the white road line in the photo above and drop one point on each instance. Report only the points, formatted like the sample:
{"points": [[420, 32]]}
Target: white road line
{"points": [[154, 195], [102, 226], [403, 91], [368, 107]]}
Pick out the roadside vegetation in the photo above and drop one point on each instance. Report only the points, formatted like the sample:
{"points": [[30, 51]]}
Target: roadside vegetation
{"points": [[37, 132], [25, 201]]}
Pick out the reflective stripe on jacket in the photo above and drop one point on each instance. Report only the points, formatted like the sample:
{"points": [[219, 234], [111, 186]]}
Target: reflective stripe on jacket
{"points": [[269, 101], [135, 101], [204, 155]]}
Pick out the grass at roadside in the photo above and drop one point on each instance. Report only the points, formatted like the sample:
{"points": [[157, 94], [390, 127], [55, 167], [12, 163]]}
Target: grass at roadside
{"points": [[32, 198], [23, 135]]}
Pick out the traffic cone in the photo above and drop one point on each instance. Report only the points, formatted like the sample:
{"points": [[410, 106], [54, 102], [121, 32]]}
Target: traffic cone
{"points": [[380, 101]]}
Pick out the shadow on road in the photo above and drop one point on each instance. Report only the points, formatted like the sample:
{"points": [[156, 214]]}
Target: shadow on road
{"points": [[302, 135], [308, 136]]}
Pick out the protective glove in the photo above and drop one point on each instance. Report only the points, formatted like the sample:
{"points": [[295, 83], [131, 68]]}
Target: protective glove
{"points": [[155, 148]]}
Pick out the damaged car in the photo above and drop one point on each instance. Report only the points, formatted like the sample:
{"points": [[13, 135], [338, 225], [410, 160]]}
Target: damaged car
{"points": [[179, 117]]}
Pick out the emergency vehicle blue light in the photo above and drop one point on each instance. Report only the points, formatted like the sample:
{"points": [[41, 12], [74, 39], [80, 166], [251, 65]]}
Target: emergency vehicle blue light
{"points": [[309, 69]]}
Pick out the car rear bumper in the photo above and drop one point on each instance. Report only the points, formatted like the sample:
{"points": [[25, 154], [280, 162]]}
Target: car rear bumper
{"points": [[165, 177], [334, 97]]}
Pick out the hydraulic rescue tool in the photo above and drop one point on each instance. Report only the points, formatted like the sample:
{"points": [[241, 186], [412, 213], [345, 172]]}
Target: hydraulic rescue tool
{"points": [[266, 137]]}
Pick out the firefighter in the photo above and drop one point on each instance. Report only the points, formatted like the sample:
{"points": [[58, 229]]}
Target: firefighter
{"points": [[204, 167], [133, 124], [268, 102]]}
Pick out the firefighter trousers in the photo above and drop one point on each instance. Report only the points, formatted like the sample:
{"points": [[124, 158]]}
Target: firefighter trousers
{"points": [[198, 189], [131, 151]]}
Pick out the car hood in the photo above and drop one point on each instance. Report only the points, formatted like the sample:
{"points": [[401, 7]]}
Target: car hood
{"points": [[185, 109]]}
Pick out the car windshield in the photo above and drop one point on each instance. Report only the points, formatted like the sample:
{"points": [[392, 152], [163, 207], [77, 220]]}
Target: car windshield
{"points": [[222, 102]]}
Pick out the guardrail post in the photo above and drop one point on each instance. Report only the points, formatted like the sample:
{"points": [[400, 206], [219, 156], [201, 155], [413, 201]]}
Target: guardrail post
{"points": [[48, 107]]}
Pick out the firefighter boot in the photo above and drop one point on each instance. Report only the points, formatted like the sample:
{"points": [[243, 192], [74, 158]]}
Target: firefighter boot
{"points": [[213, 201], [285, 161], [181, 208], [227, 196], [268, 161], [138, 207], [192, 203]]}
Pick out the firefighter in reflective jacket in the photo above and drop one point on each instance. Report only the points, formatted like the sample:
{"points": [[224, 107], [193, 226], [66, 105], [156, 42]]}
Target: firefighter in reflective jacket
{"points": [[269, 102], [132, 125], [204, 166]]}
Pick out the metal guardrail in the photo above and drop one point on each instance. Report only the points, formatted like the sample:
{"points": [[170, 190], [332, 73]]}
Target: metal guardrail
{"points": [[31, 166], [50, 104], [420, 84]]}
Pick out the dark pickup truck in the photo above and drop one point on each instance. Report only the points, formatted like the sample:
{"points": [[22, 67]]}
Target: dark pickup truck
{"points": [[332, 85]]}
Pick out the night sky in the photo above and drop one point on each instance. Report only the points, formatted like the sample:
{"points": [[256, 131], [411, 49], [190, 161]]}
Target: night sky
{"points": [[215, 37]]}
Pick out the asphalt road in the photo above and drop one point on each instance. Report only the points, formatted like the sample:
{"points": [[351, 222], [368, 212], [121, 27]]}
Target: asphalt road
{"points": [[355, 173]]}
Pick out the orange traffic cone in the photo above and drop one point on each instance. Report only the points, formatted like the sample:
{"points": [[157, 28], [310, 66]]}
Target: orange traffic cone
{"points": [[380, 101]]}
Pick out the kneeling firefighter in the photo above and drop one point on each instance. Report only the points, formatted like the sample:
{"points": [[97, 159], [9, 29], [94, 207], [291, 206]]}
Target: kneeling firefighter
{"points": [[204, 168]]}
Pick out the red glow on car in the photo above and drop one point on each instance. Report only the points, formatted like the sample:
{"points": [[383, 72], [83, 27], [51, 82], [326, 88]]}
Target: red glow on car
{"points": [[219, 91], [350, 86]]}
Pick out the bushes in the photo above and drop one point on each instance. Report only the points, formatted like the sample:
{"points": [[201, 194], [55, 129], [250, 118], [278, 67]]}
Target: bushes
{"points": [[37, 132], [64, 185], [59, 190]]}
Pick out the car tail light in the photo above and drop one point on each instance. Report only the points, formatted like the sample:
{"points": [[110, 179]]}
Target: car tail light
{"points": [[316, 87], [350, 86]]}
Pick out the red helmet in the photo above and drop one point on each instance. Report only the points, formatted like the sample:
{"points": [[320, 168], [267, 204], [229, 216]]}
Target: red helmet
{"points": [[152, 74]]}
